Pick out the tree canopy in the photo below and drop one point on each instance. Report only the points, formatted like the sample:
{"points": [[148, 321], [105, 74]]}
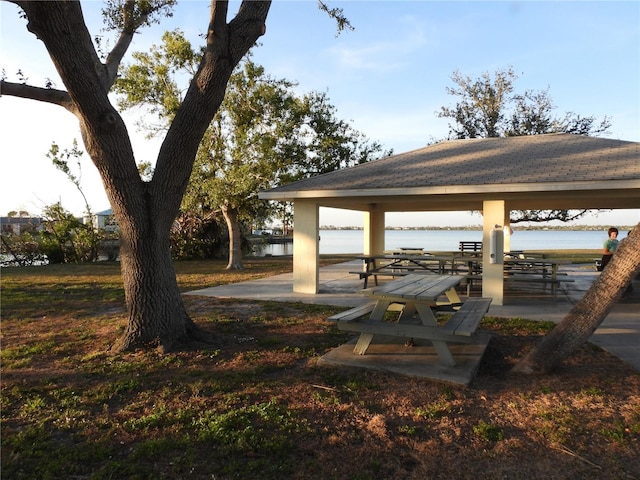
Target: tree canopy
{"points": [[263, 135], [489, 106]]}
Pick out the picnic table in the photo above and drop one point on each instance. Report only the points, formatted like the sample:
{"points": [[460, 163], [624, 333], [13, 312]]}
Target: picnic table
{"points": [[525, 268], [536, 270], [398, 265], [416, 295]]}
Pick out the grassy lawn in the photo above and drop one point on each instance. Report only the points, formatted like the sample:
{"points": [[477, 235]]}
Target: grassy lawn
{"points": [[258, 405]]}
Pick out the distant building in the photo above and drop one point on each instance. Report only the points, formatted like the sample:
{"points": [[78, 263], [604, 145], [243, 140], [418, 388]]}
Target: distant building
{"points": [[104, 220], [20, 224]]}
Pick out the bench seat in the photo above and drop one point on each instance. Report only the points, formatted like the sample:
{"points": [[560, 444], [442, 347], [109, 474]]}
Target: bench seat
{"points": [[466, 320], [353, 313], [523, 277], [366, 275], [403, 330], [527, 278]]}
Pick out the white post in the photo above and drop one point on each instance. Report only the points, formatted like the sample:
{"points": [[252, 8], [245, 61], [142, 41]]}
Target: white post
{"points": [[373, 233], [493, 261], [306, 249]]}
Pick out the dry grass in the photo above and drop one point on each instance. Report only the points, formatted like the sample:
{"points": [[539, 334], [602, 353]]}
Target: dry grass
{"points": [[260, 407]]}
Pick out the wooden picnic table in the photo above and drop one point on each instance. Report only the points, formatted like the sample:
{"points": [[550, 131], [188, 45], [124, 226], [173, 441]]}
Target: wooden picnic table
{"points": [[547, 267], [398, 265], [416, 294], [527, 269], [536, 270]]}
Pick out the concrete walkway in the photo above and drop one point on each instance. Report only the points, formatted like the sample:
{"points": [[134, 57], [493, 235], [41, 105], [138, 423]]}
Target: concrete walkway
{"points": [[618, 334]]}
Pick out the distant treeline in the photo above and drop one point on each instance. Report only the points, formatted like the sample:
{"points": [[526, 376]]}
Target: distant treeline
{"points": [[604, 228]]}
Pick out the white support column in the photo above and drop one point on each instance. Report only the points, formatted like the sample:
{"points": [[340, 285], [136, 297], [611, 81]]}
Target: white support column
{"points": [[507, 229], [373, 233], [306, 249], [493, 270]]}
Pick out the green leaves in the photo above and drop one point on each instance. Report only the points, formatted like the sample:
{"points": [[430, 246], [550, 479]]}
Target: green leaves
{"points": [[156, 80], [129, 15], [488, 107]]}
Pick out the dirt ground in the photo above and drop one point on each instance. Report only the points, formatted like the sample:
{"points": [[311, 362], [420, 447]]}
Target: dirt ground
{"points": [[181, 415]]}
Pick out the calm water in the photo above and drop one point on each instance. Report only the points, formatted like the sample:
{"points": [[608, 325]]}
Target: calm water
{"points": [[351, 241]]}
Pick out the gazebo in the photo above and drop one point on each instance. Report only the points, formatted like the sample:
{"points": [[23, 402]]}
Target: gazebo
{"points": [[490, 175]]}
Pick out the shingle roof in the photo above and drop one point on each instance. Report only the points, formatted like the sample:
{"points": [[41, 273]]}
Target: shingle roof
{"points": [[562, 158]]}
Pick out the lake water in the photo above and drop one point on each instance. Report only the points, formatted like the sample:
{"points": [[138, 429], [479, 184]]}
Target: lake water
{"points": [[351, 241]]}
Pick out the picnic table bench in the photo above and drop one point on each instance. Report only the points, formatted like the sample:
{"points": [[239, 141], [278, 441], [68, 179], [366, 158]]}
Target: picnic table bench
{"points": [[470, 246], [416, 295]]}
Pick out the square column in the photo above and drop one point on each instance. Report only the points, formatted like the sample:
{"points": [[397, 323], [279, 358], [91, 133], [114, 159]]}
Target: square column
{"points": [[306, 248], [493, 250], [373, 233]]}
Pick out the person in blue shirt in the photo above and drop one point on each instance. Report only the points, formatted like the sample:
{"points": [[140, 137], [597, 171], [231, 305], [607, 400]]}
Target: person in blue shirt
{"points": [[610, 246]]}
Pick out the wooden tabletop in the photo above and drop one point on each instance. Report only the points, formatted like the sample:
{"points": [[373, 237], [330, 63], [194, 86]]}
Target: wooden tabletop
{"points": [[537, 261], [422, 287]]}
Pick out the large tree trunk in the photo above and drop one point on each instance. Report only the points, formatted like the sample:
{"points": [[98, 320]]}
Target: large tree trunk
{"points": [[579, 324], [235, 238], [157, 316], [144, 211]]}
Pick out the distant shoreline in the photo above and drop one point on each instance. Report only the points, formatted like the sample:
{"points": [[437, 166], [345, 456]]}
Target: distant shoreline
{"points": [[590, 228]]}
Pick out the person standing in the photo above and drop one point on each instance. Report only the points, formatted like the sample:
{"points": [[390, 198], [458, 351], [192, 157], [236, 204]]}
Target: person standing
{"points": [[609, 247]]}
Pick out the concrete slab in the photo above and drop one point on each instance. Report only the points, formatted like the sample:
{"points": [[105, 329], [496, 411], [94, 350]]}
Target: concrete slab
{"points": [[619, 334], [390, 354], [337, 287]]}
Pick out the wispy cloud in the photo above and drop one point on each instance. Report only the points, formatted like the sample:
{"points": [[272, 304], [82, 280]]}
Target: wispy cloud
{"points": [[393, 50]]}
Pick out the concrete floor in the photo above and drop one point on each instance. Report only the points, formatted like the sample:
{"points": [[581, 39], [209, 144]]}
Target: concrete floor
{"points": [[618, 334]]}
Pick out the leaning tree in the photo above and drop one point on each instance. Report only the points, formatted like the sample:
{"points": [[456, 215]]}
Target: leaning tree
{"points": [[144, 210], [579, 324]]}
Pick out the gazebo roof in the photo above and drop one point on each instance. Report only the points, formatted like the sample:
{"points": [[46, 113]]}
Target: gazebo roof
{"points": [[552, 171]]}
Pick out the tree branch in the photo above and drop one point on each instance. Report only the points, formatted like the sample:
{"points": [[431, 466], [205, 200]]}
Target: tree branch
{"points": [[227, 43], [541, 216], [337, 14], [47, 95], [131, 25]]}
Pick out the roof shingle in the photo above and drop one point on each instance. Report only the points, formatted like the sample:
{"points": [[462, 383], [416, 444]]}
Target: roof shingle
{"points": [[550, 158]]}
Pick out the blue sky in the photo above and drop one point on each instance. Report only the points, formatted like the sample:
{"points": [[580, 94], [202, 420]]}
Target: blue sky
{"points": [[388, 78]]}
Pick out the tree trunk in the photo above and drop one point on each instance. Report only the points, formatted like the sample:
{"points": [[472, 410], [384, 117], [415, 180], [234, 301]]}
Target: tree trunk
{"points": [[235, 238], [579, 324], [157, 316]]}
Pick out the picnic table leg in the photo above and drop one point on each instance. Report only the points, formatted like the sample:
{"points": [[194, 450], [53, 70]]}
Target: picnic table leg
{"points": [[364, 340], [453, 297], [442, 349], [408, 311]]}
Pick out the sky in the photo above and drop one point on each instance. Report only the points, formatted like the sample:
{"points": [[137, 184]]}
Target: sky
{"points": [[388, 78]]}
